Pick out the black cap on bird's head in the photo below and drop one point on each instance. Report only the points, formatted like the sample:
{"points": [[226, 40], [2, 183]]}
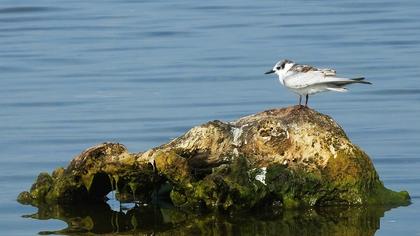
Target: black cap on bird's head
{"points": [[279, 66]]}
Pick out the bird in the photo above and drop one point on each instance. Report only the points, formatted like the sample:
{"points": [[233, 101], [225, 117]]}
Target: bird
{"points": [[306, 80]]}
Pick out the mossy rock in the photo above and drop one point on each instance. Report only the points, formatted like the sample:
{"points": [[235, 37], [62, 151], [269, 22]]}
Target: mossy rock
{"points": [[293, 157]]}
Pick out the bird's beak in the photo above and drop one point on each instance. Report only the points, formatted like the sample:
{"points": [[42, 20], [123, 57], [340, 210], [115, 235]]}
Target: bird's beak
{"points": [[269, 72]]}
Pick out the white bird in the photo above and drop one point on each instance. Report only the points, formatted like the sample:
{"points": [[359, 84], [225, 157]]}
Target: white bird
{"points": [[306, 80]]}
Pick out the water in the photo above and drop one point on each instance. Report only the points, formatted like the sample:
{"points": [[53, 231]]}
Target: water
{"points": [[77, 73]]}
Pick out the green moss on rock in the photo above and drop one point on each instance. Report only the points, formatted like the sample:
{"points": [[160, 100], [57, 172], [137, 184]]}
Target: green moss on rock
{"points": [[292, 158]]}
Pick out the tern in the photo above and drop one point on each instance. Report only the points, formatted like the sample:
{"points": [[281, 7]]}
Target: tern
{"points": [[306, 80]]}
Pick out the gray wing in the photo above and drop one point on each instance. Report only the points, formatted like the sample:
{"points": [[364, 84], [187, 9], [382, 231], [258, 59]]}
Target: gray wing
{"points": [[298, 68], [300, 76], [301, 80], [344, 81]]}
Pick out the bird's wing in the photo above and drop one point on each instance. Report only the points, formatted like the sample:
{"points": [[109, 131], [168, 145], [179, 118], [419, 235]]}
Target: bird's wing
{"points": [[304, 79], [310, 70], [298, 68], [328, 72], [343, 81], [301, 80], [300, 76]]}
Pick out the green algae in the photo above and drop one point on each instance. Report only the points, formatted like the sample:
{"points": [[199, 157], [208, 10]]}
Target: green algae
{"points": [[87, 181], [133, 186], [229, 187], [115, 178], [91, 181], [381, 196], [173, 166], [111, 180]]}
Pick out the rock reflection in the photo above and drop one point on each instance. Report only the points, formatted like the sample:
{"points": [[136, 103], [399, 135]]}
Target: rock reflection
{"points": [[167, 220]]}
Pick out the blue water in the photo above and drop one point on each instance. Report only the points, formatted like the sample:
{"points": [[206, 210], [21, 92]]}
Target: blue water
{"points": [[77, 73]]}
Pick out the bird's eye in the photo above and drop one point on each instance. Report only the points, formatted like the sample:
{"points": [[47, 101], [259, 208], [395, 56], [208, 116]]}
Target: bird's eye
{"points": [[278, 67]]}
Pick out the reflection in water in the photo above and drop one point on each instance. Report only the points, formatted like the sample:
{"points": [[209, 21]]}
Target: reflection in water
{"points": [[166, 220]]}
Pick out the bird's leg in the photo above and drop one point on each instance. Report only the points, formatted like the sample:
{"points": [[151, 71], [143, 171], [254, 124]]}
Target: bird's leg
{"points": [[306, 101], [300, 100]]}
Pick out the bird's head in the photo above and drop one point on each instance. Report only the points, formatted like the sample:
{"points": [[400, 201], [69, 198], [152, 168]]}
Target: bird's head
{"points": [[281, 67]]}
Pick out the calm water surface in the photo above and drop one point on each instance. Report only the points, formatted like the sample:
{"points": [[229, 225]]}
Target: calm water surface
{"points": [[77, 73]]}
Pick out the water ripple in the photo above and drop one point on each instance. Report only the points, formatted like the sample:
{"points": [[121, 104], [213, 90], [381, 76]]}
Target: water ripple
{"points": [[45, 104], [76, 73], [390, 92], [27, 9], [396, 160]]}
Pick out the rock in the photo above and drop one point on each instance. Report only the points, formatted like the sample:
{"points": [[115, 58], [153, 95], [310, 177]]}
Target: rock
{"points": [[288, 158]]}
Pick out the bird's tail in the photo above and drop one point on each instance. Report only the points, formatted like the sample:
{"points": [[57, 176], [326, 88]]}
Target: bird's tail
{"points": [[360, 80], [337, 84]]}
